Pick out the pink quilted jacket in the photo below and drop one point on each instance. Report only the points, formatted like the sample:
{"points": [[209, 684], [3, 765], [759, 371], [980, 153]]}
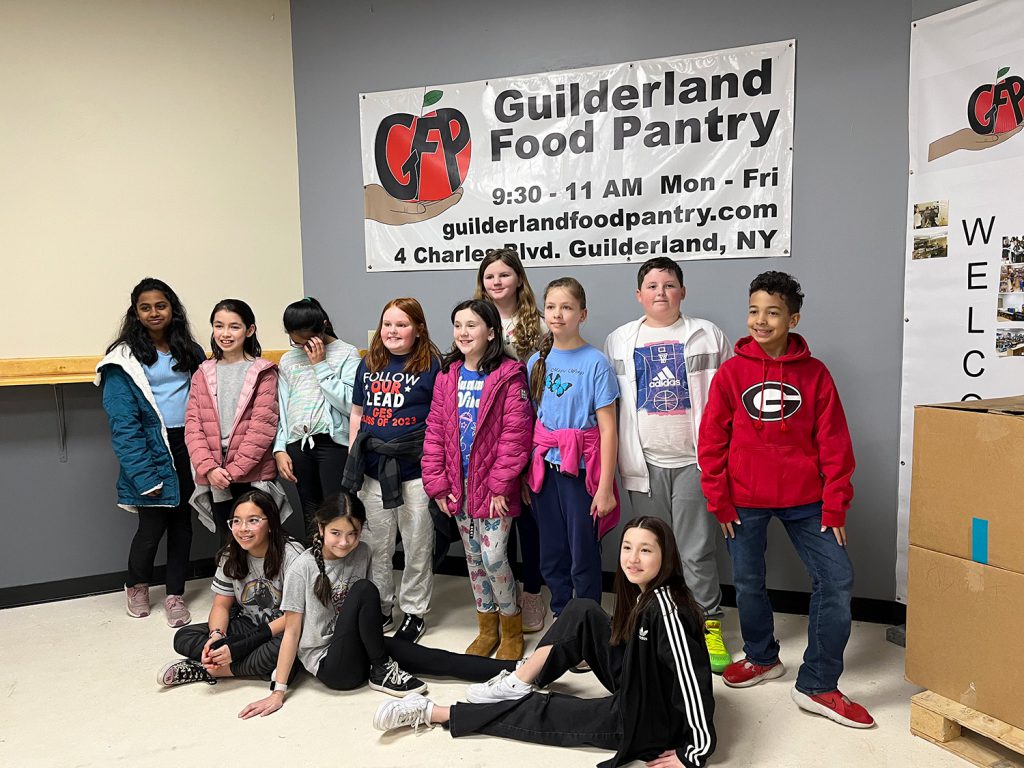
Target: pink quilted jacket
{"points": [[501, 447], [249, 456]]}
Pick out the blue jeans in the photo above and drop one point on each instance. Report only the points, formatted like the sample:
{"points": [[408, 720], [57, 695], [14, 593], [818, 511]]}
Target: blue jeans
{"points": [[831, 573]]}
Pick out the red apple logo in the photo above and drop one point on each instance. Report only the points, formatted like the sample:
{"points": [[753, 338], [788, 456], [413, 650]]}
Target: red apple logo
{"points": [[996, 108], [424, 157]]}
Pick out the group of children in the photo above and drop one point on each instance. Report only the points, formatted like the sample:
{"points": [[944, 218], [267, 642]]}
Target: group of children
{"points": [[517, 431]]}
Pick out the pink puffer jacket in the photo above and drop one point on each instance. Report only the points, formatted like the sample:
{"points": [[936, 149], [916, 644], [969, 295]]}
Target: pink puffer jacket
{"points": [[501, 446], [249, 456]]}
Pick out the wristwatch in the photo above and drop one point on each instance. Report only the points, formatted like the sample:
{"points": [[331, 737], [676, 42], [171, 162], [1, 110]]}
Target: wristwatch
{"points": [[276, 686]]}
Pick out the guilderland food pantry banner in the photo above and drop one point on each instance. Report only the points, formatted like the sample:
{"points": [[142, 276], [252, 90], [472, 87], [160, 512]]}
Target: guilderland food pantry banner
{"points": [[964, 289], [688, 157]]}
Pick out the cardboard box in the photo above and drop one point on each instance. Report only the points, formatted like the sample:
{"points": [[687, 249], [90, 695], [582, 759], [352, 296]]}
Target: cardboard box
{"points": [[965, 633], [965, 591], [967, 487]]}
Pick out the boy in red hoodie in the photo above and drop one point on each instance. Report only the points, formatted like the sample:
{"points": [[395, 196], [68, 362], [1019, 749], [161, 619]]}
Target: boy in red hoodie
{"points": [[774, 443]]}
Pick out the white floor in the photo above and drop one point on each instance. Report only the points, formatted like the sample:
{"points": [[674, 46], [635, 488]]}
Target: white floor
{"points": [[78, 688]]}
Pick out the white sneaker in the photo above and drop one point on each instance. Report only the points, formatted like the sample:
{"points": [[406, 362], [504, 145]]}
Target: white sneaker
{"points": [[413, 711], [502, 687]]}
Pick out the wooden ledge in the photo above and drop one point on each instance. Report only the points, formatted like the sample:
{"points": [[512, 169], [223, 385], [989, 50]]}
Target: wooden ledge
{"points": [[27, 371]]}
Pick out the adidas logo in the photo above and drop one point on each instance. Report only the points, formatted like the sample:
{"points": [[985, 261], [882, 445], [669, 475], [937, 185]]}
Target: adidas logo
{"points": [[665, 379], [642, 633]]}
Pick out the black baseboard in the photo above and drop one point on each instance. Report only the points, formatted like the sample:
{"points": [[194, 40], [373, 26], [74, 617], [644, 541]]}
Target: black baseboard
{"points": [[783, 601]]}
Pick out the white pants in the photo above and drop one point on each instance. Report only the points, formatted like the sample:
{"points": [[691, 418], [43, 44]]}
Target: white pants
{"points": [[380, 533]]}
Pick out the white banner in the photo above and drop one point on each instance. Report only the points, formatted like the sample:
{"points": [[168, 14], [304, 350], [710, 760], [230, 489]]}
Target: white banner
{"points": [[964, 289], [688, 157]]}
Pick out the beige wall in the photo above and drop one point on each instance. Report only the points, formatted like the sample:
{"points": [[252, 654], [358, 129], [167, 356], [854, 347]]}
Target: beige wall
{"points": [[143, 137]]}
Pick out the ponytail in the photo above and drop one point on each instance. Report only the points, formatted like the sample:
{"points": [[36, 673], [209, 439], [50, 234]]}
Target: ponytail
{"points": [[308, 315], [540, 368]]}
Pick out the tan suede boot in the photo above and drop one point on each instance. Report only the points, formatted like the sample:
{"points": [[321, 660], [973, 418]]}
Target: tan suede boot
{"points": [[487, 640], [511, 648]]}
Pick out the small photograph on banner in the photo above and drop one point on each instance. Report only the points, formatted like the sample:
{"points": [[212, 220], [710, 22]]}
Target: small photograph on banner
{"points": [[1011, 278], [1010, 301], [1010, 342], [932, 214], [930, 247], [1013, 250]]}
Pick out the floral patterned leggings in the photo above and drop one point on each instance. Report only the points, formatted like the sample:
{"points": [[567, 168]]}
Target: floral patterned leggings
{"points": [[486, 544]]}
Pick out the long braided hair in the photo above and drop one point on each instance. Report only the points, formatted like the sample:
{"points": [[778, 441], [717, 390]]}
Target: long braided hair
{"points": [[342, 505], [540, 368]]}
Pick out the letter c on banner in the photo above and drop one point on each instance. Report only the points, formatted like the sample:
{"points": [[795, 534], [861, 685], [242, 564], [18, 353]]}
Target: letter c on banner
{"points": [[981, 370]]}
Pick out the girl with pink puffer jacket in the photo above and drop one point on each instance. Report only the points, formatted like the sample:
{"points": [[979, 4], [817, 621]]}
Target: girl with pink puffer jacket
{"points": [[478, 440], [232, 416]]}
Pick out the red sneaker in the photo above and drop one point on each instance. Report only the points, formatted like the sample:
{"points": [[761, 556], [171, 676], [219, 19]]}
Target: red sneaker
{"points": [[835, 706], [745, 673]]}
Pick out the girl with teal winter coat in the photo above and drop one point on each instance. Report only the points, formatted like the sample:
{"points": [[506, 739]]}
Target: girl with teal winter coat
{"points": [[145, 377]]}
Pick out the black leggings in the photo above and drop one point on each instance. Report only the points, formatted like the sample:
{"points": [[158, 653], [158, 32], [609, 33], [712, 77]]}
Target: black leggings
{"points": [[582, 633], [189, 642], [359, 641], [528, 568], [318, 470], [175, 521]]}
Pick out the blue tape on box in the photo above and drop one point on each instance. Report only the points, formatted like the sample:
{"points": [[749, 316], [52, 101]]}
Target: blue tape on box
{"points": [[979, 540]]}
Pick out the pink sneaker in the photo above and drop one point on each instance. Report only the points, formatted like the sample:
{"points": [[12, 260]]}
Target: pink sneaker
{"points": [[745, 673], [177, 611], [835, 706], [138, 600], [534, 612]]}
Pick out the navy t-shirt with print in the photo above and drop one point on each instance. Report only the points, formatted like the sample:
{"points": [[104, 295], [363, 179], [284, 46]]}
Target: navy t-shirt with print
{"points": [[394, 402]]}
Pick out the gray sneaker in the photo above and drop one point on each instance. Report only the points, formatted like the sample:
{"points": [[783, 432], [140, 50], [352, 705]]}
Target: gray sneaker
{"points": [[412, 711], [498, 688], [138, 600], [177, 611]]}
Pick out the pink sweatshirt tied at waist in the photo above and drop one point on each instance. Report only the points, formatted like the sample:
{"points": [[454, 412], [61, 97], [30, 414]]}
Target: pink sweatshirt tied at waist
{"points": [[572, 444]]}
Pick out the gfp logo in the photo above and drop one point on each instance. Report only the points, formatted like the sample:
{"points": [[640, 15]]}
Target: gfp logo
{"points": [[996, 107], [423, 157], [765, 401]]}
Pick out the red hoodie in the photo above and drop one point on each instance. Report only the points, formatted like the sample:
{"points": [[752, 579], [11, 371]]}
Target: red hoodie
{"points": [[774, 435]]}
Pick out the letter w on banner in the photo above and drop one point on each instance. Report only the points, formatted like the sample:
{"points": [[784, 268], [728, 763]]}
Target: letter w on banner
{"points": [[964, 289], [688, 157]]}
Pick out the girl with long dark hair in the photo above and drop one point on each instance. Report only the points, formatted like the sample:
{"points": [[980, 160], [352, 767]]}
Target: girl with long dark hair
{"points": [[145, 376], [650, 654]]}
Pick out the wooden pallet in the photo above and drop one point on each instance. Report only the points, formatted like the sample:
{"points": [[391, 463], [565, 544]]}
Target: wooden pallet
{"points": [[974, 736]]}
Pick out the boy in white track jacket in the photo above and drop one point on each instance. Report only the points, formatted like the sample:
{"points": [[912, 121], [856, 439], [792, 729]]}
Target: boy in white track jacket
{"points": [[664, 363]]}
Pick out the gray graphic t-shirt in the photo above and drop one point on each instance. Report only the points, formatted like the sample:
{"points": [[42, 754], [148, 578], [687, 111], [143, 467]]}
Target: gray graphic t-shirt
{"points": [[258, 596], [318, 619]]}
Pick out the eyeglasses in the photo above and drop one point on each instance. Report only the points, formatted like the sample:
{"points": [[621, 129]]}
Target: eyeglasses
{"points": [[249, 522], [299, 345]]}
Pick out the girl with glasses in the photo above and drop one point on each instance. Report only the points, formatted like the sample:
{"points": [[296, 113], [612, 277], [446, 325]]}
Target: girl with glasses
{"points": [[315, 394], [243, 634]]}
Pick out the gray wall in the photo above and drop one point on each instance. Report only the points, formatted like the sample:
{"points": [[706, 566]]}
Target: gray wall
{"points": [[849, 193]]}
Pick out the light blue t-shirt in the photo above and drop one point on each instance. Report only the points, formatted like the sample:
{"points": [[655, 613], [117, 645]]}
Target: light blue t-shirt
{"points": [[170, 389], [471, 385], [577, 383]]}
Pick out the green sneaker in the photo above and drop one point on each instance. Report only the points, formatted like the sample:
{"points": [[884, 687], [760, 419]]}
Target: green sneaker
{"points": [[717, 651]]}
